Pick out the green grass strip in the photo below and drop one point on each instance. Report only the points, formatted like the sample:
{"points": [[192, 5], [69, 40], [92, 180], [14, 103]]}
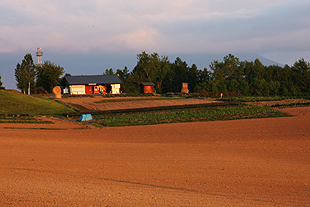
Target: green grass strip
{"points": [[291, 105], [189, 115], [26, 121], [255, 99]]}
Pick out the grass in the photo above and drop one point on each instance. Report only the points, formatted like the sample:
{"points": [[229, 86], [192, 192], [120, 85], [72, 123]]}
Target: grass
{"points": [[255, 99], [26, 121], [14, 102], [187, 115], [291, 105], [267, 98]]}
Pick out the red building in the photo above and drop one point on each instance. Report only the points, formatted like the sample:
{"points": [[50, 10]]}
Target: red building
{"points": [[147, 87]]}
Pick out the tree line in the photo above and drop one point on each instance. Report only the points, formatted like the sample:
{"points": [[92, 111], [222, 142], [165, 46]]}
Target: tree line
{"points": [[229, 76], [33, 78]]}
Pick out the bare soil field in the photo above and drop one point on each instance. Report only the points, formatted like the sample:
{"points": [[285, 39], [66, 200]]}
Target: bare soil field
{"points": [[93, 103], [257, 162]]}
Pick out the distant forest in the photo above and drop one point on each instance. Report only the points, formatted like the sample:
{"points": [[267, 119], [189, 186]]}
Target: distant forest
{"points": [[230, 76]]}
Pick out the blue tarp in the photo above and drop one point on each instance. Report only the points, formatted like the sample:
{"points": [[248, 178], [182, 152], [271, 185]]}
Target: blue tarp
{"points": [[86, 117]]}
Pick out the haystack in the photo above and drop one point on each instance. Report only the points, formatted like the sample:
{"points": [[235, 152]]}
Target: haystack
{"points": [[57, 92]]}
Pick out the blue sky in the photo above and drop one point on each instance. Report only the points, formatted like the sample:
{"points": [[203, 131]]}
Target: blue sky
{"points": [[87, 37]]}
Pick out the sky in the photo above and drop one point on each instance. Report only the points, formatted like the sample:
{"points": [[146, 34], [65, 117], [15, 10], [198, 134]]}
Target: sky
{"points": [[89, 36]]}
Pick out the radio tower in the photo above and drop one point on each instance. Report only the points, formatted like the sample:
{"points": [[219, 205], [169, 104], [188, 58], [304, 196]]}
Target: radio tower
{"points": [[39, 54]]}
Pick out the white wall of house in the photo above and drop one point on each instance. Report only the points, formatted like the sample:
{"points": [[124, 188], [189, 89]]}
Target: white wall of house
{"points": [[77, 89], [115, 88]]}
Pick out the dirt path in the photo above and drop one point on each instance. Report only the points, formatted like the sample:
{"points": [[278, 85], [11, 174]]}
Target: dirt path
{"points": [[257, 162]]}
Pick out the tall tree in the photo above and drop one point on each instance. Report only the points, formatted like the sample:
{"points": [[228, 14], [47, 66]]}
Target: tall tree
{"points": [[127, 85], [162, 71], [108, 72], [0, 82], [193, 77], [48, 75], [25, 73], [179, 74], [301, 70], [63, 81], [151, 68]]}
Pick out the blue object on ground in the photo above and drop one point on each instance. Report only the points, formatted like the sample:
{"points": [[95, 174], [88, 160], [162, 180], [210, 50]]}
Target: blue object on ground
{"points": [[86, 117]]}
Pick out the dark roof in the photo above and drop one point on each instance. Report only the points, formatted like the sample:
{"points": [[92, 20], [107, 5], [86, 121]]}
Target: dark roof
{"points": [[93, 79], [147, 84]]}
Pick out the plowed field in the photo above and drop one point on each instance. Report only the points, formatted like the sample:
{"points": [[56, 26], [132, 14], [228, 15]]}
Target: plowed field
{"points": [[257, 162]]}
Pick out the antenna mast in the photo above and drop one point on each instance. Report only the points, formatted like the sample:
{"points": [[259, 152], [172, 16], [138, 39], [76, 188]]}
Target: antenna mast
{"points": [[39, 54]]}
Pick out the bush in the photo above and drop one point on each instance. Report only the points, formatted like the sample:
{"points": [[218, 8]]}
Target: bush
{"points": [[40, 90]]}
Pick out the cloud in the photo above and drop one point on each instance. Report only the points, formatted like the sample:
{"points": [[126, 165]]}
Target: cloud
{"points": [[186, 26]]}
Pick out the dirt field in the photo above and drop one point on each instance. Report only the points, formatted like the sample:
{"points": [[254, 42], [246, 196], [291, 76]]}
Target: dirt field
{"points": [[257, 162], [94, 102]]}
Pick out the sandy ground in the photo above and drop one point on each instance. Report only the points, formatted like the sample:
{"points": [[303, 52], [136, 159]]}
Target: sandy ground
{"points": [[257, 162]]}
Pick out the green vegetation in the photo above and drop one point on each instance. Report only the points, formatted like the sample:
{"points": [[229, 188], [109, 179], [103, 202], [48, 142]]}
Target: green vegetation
{"points": [[186, 114], [255, 99], [26, 121], [291, 105], [14, 102], [231, 77]]}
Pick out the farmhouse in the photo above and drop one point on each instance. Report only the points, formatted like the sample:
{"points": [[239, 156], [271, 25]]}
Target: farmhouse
{"points": [[92, 84]]}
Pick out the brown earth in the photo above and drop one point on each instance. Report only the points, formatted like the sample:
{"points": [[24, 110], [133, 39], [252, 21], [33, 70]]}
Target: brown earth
{"points": [[97, 102], [257, 162]]}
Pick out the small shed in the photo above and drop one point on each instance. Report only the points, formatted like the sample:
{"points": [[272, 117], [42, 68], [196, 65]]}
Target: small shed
{"points": [[147, 87]]}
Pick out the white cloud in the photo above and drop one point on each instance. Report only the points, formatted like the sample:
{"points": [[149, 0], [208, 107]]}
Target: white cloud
{"points": [[185, 26]]}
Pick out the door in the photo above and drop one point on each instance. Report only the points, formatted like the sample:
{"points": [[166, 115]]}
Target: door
{"points": [[89, 89]]}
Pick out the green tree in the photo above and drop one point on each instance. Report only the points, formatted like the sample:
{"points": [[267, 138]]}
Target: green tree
{"points": [[144, 70], [274, 87], [301, 73], [48, 75], [233, 86], [124, 76], [108, 72], [0, 82], [202, 86], [205, 76], [162, 71], [243, 86], [150, 68], [25, 73], [193, 77], [179, 74], [63, 80]]}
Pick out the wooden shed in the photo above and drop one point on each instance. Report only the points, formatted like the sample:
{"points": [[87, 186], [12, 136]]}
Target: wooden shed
{"points": [[147, 87]]}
